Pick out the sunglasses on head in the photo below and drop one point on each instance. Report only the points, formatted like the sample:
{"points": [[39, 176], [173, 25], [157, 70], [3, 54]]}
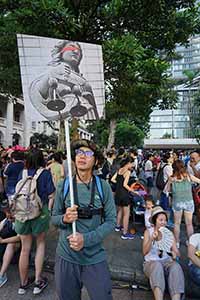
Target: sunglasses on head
{"points": [[88, 153]]}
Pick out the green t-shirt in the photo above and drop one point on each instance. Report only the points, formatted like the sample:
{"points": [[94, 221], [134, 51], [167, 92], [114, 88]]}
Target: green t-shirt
{"points": [[93, 231]]}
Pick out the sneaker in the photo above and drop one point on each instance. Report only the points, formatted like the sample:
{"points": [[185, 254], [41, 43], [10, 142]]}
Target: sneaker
{"points": [[118, 228], [3, 280], [22, 289], [40, 286], [127, 236]]}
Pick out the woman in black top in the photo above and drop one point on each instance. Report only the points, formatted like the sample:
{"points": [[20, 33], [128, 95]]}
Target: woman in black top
{"points": [[122, 199]]}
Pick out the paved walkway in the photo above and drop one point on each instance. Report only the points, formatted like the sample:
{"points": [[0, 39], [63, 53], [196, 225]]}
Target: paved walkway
{"points": [[125, 259]]}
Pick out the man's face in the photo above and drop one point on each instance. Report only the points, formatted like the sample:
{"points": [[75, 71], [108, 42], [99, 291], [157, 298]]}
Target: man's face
{"points": [[194, 158], [84, 159]]}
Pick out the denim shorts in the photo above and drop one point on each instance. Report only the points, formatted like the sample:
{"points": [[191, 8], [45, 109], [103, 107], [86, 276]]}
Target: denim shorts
{"points": [[194, 273], [187, 206]]}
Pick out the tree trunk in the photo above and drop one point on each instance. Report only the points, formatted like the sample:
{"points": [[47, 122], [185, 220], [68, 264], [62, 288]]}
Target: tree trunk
{"points": [[61, 137], [111, 138], [74, 133]]}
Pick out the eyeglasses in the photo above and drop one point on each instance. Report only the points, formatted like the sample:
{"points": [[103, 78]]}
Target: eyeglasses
{"points": [[87, 153]]}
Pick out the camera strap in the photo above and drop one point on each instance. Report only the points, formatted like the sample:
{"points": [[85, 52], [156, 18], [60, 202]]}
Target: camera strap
{"points": [[95, 211]]}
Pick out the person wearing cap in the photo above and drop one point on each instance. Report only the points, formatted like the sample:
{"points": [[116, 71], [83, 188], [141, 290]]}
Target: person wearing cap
{"points": [[80, 259], [194, 256], [157, 263]]}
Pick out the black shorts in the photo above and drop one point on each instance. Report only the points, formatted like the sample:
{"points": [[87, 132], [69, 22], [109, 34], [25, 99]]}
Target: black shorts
{"points": [[126, 201]]}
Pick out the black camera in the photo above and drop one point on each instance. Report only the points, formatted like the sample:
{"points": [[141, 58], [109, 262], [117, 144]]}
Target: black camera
{"points": [[85, 212]]}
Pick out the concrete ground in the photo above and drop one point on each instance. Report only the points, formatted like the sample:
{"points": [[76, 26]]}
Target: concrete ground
{"points": [[125, 262], [125, 259]]}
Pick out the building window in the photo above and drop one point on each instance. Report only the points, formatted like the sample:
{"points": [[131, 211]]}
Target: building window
{"points": [[17, 116], [33, 125]]}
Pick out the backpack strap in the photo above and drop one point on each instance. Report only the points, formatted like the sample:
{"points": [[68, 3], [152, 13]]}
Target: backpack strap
{"points": [[66, 187], [164, 166], [98, 185], [38, 173], [24, 173]]}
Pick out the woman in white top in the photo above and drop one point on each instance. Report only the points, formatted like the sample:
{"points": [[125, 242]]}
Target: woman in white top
{"points": [[160, 252]]}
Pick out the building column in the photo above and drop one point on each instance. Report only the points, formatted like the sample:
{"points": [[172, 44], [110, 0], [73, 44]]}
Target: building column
{"points": [[9, 123], [27, 131]]}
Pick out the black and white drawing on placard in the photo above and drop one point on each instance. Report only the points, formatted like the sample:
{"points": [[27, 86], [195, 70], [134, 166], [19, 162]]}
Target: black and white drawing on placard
{"points": [[61, 77]]}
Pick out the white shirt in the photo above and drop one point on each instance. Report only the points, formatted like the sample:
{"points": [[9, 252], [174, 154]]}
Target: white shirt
{"points": [[190, 170], [148, 169], [195, 242], [167, 172], [147, 215]]}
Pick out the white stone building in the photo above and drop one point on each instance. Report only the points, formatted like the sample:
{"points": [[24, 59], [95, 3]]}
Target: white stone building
{"points": [[15, 129], [12, 120]]}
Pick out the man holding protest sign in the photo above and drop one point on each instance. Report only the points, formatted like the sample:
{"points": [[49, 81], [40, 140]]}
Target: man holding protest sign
{"points": [[80, 257]]}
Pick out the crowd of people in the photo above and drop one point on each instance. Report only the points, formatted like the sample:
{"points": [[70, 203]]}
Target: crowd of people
{"points": [[109, 188]]}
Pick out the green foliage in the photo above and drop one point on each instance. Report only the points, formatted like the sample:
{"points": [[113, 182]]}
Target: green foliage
{"points": [[100, 131], [166, 136], [137, 82], [44, 140], [44, 18], [157, 25], [137, 36], [128, 134]]}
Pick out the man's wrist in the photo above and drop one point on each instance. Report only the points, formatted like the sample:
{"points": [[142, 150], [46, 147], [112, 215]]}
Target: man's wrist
{"points": [[64, 221]]}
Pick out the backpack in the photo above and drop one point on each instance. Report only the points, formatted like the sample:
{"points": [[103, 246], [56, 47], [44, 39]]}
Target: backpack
{"points": [[160, 184], [26, 204]]}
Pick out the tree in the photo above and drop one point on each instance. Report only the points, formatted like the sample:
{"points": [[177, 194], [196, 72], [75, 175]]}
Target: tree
{"points": [[136, 84], [128, 134], [166, 135], [150, 29], [44, 141], [158, 25]]}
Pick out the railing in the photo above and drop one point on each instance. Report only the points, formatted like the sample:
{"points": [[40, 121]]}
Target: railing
{"points": [[17, 125], [2, 121]]}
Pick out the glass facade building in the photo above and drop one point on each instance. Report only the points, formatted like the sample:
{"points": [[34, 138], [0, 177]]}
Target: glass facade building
{"points": [[177, 123]]}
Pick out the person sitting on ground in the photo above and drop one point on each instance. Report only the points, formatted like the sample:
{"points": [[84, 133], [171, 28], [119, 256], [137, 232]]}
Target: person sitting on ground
{"points": [[11, 242], [194, 256], [159, 261]]}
